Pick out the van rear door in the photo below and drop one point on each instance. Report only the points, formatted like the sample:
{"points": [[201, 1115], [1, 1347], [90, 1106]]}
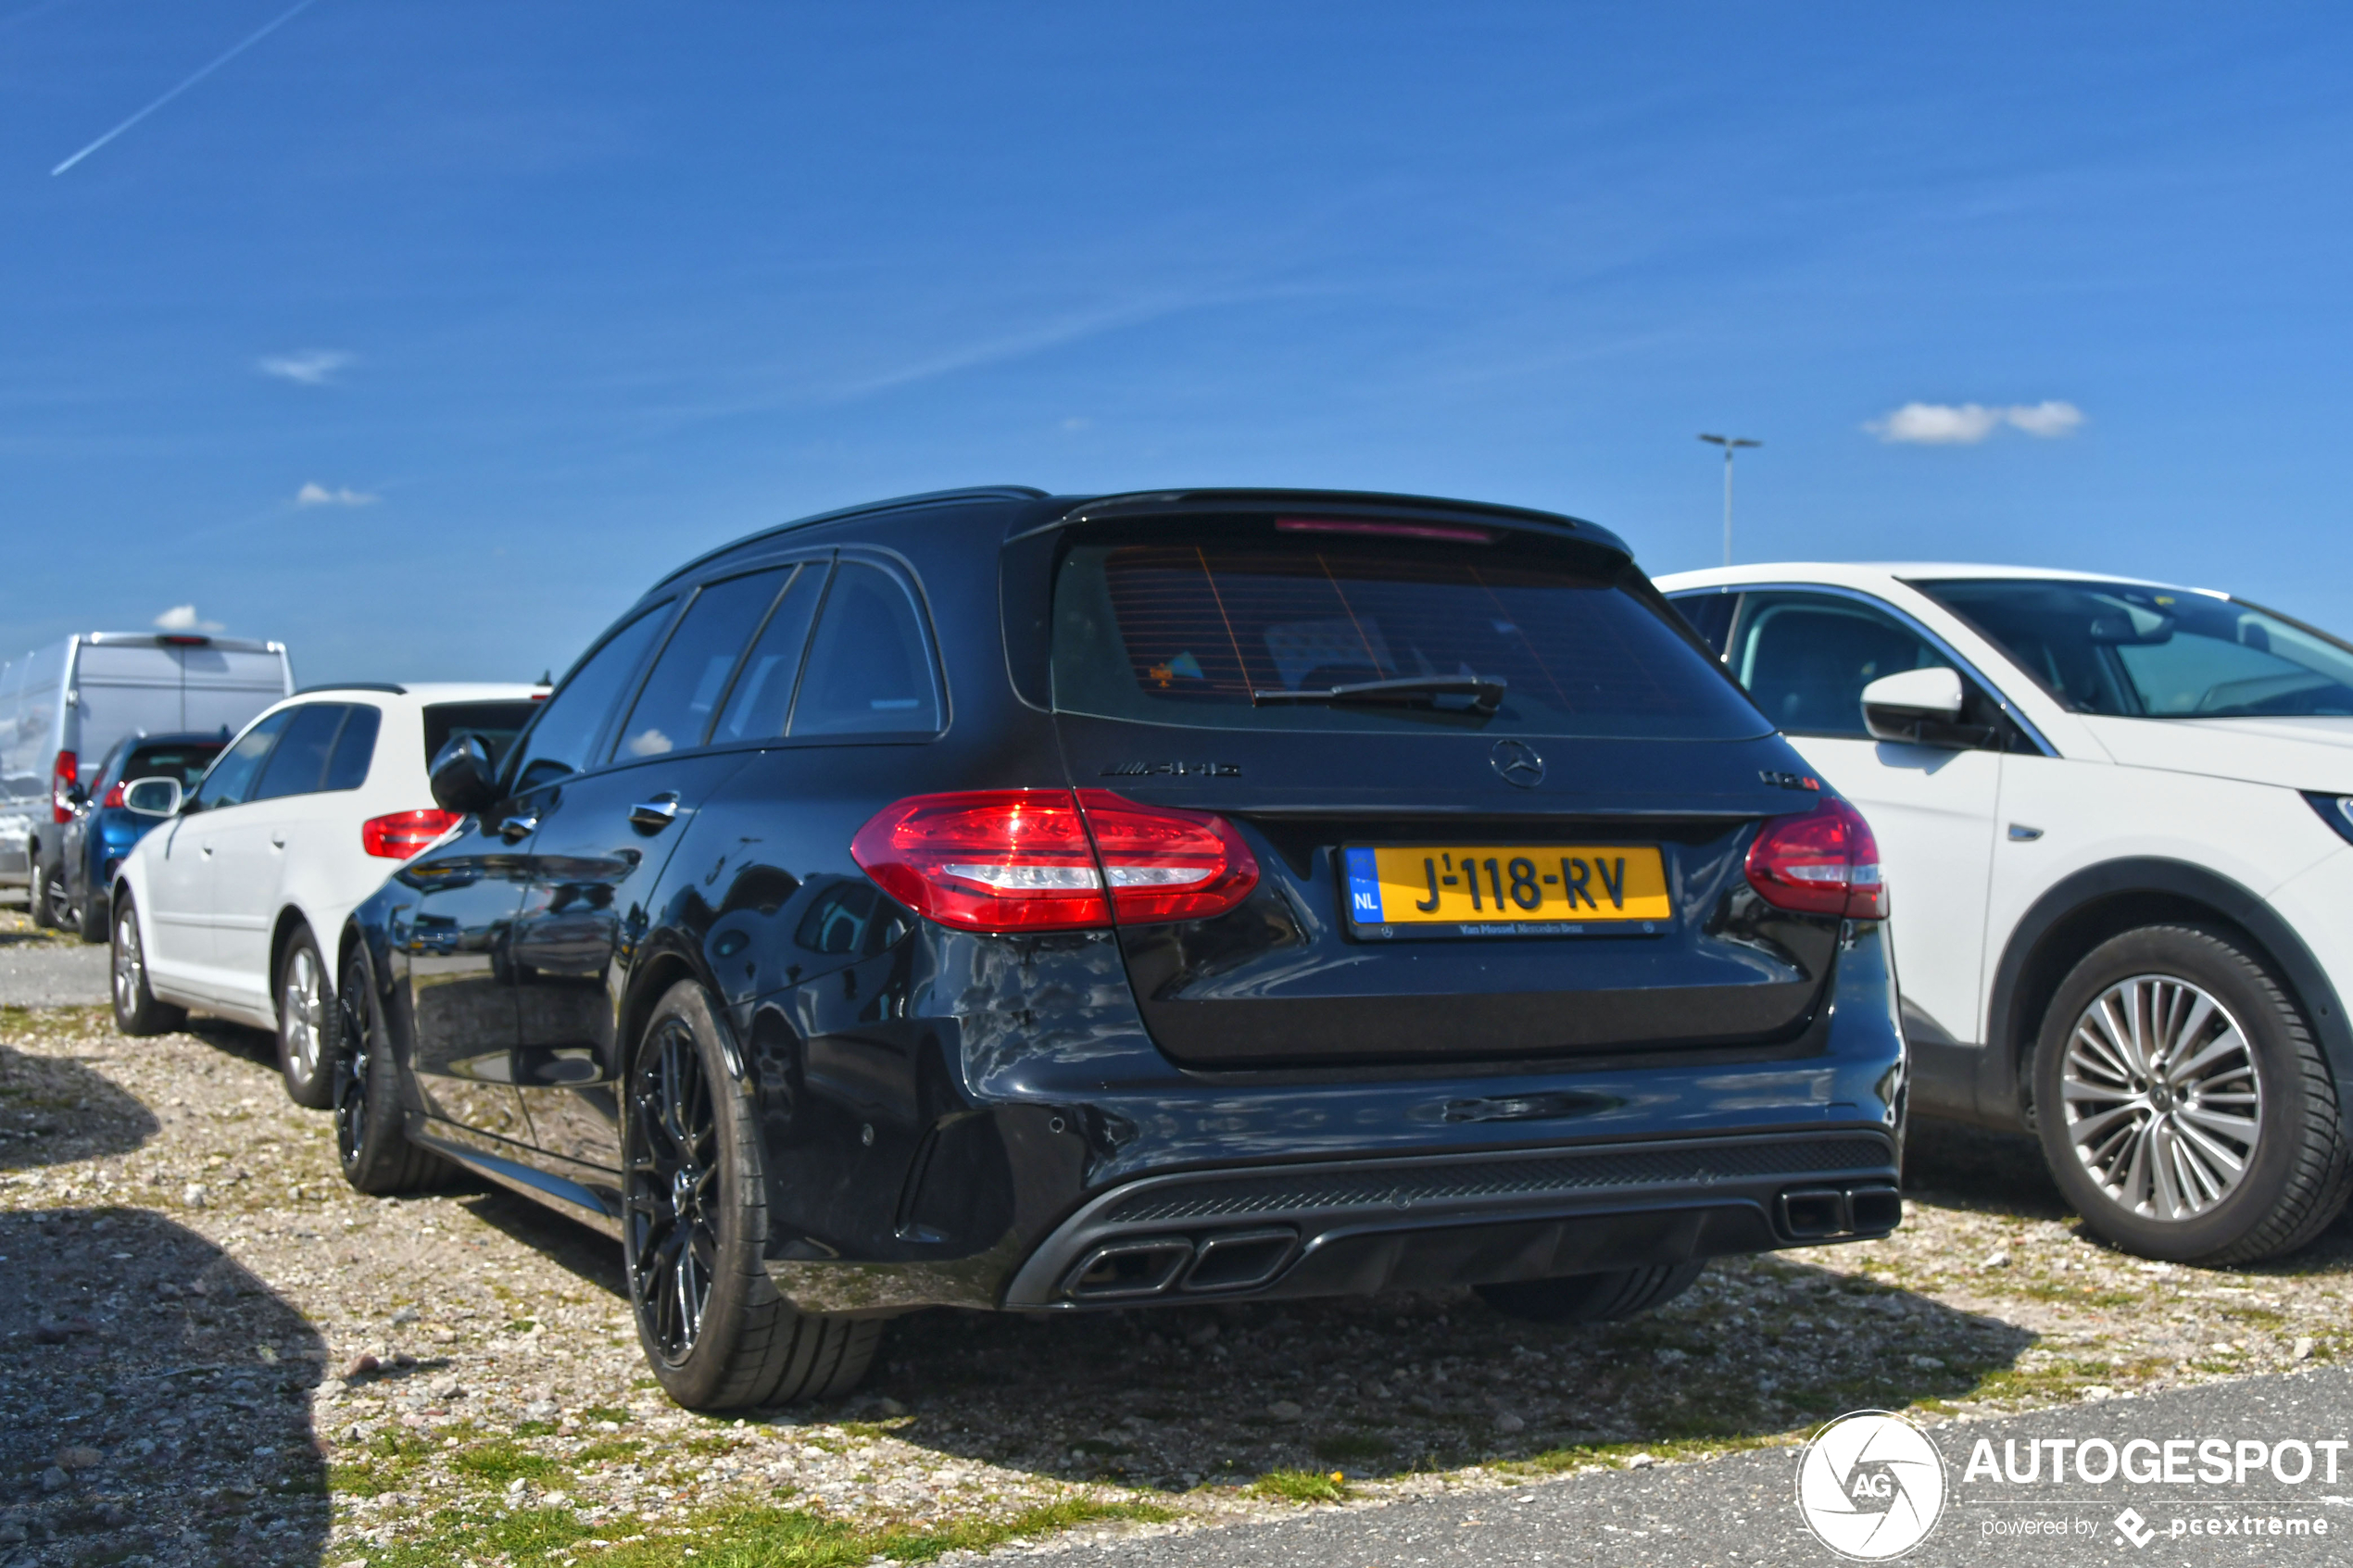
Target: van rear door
{"points": [[125, 688], [224, 682]]}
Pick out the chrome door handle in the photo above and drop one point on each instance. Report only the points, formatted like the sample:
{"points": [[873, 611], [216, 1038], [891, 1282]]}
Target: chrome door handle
{"points": [[515, 829], [653, 816]]}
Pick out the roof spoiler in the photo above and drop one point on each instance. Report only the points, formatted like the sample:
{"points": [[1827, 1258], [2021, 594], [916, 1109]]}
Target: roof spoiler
{"points": [[1330, 504]]}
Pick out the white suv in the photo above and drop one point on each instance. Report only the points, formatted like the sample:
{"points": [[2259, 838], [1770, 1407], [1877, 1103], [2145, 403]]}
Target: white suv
{"points": [[298, 820], [2117, 823]]}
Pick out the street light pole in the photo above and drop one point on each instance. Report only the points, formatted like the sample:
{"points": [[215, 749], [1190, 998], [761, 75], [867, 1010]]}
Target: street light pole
{"points": [[1730, 444]]}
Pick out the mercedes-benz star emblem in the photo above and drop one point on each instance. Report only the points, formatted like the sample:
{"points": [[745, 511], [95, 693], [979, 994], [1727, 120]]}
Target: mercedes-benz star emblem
{"points": [[1517, 761]]}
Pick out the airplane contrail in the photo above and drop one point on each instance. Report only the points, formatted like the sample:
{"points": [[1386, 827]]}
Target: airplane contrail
{"points": [[257, 37]]}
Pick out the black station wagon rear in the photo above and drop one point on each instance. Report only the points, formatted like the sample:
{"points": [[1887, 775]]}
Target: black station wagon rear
{"points": [[1040, 903]]}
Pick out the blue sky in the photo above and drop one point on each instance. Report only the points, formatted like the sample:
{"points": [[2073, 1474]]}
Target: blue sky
{"points": [[422, 335]]}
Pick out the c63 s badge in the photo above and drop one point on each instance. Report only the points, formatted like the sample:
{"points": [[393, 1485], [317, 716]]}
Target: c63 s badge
{"points": [[1172, 770]]}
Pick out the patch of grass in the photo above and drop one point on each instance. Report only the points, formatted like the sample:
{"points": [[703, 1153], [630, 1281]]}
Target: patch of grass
{"points": [[736, 1537], [1353, 1445], [1301, 1486], [526, 1535], [610, 1449], [498, 1463], [705, 1445], [613, 1413], [378, 1465], [534, 1429], [1662, 1448], [871, 1430]]}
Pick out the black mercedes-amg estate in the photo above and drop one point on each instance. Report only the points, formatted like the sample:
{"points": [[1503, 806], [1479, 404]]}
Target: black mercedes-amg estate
{"points": [[1007, 901]]}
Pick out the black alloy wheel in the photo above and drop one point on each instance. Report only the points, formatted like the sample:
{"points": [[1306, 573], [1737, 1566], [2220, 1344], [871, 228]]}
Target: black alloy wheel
{"points": [[695, 1232], [136, 1012], [673, 1224], [370, 1144]]}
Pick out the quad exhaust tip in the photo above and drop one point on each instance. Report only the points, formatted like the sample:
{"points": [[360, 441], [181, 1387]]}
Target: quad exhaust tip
{"points": [[1227, 1260], [1819, 1214]]}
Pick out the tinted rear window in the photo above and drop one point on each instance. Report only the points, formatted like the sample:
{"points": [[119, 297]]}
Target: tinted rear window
{"points": [[186, 763], [1198, 633], [496, 722]]}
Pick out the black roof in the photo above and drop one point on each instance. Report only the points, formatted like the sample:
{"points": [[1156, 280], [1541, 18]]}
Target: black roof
{"points": [[1037, 511]]}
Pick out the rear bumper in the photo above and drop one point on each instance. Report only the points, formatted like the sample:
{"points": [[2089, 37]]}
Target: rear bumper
{"points": [[1055, 1159], [1361, 1227]]}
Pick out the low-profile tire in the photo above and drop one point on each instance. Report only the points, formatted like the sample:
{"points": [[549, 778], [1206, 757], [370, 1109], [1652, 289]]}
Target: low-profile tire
{"points": [[370, 1144], [48, 896], [94, 924], [308, 1028], [136, 1012], [694, 1229], [2185, 1110], [1603, 1298]]}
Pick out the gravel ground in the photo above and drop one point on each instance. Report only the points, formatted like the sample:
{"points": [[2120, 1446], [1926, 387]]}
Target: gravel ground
{"points": [[47, 968], [212, 1350]]}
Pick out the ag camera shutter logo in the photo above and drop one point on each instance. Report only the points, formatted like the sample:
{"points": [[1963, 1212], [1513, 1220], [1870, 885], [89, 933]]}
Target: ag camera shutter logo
{"points": [[1871, 1486]]}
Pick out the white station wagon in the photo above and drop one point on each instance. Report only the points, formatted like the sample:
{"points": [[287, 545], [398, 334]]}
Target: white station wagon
{"points": [[2116, 819], [229, 905]]}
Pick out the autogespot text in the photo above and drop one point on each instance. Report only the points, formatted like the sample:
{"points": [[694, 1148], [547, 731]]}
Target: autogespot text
{"points": [[2151, 1461]]}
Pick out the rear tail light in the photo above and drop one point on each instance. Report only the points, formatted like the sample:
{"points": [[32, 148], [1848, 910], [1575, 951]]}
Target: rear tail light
{"points": [[62, 779], [1825, 863], [398, 836], [1044, 860], [1165, 864], [114, 799]]}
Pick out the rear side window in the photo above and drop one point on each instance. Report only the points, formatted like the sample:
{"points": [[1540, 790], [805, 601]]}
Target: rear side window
{"points": [[496, 724], [1243, 632], [870, 665], [568, 722], [673, 711], [300, 760], [760, 699], [354, 749], [231, 779], [1806, 659]]}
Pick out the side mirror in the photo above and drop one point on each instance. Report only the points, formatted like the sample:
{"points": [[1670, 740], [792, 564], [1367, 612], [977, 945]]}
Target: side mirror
{"points": [[464, 780], [1921, 708], [153, 797]]}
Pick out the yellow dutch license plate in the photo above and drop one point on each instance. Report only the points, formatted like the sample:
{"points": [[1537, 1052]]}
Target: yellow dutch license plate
{"points": [[1505, 890]]}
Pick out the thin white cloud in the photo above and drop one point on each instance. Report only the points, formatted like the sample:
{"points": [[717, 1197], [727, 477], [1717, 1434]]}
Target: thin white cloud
{"points": [[317, 494], [311, 367], [248, 41], [2046, 420], [183, 618], [1966, 425]]}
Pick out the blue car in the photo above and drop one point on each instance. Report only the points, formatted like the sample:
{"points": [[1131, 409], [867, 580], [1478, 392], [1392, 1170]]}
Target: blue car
{"points": [[104, 829]]}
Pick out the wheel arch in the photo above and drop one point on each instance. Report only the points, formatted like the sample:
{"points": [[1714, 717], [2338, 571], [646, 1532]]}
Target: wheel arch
{"points": [[2098, 902], [290, 920], [649, 979]]}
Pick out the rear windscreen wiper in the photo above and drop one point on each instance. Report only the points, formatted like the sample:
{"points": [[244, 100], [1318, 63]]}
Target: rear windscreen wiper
{"points": [[1486, 692]]}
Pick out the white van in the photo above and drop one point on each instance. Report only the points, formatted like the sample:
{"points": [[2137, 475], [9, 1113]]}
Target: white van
{"points": [[73, 699]]}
